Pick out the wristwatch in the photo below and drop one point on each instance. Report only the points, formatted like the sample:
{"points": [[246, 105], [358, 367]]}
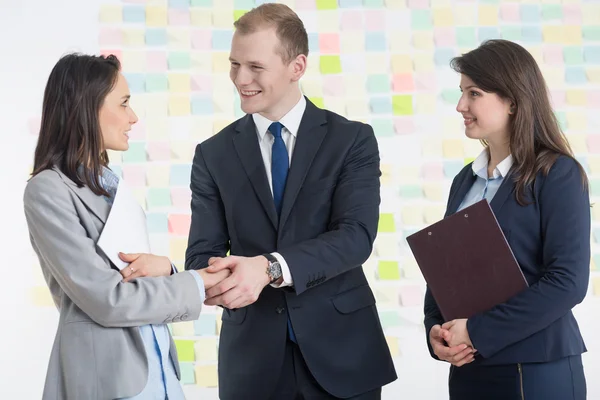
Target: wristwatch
{"points": [[274, 268]]}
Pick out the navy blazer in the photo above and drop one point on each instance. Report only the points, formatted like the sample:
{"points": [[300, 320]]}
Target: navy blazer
{"points": [[550, 238]]}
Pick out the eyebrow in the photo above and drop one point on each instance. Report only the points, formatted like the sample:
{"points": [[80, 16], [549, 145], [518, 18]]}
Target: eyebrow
{"points": [[468, 87], [249, 62], [126, 97]]}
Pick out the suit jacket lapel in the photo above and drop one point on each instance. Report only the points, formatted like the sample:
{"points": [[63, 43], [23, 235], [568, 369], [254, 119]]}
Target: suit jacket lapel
{"points": [[96, 204], [457, 197], [504, 191], [311, 133], [248, 150]]}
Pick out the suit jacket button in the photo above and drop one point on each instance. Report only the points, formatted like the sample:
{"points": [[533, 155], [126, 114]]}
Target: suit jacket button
{"points": [[184, 317], [279, 310]]}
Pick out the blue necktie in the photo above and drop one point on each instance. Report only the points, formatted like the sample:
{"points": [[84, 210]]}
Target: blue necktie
{"points": [[280, 164]]}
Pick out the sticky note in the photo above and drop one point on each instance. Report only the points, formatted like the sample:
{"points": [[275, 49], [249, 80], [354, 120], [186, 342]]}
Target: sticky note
{"points": [[157, 175], [220, 62], [442, 56], [386, 223], [156, 37], [530, 13], [134, 175], [133, 37], [418, 4], [425, 103], [178, 38], [201, 17], [387, 296], [41, 297], [133, 61], [177, 248], [179, 4], [206, 375], [408, 173], [389, 319], [357, 108], [156, 83], [382, 127], [157, 223], [377, 63], [222, 18], [202, 105], [244, 4], [487, 33], [434, 213], [178, 17], [423, 62], [576, 97], [591, 33], [326, 4], [593, 74], [411, 296], [404, 125], [572, 35], [381, 105], [182, 151], [453, 148], [465, 37], [351, 42], [452, 168], [509, 12], [187, 372], [444, 37], [403, 83], [110, 37], [596, 285], [375, 41], [442, 17], [206, 325], [591, 54], [399, 41], [136, 153], [179, 83], [412, 215], [552, 12], [328, 21], [185, 350], [464, 15], [375, 20], [488, 15], [179, 60], [158, 197], [433, 192], [135, 81], [330, 64], [421, 20], [158, 151], [156, 16], [378, 83], [111, 14], [388, 270], [512, 33], [179, 105], [423, 40], [451, 96], [393, 346], [221, 39], [181, 198], [206, 349], [386, 246], [350, 3], [411, 191], [134, 13], [185, 328], [401, 63], [390, 4], [180, 174], [402, 104]]}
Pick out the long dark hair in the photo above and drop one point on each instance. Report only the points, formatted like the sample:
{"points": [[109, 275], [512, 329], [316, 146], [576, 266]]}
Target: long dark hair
{"points": [[536, 140], [70, 134]]}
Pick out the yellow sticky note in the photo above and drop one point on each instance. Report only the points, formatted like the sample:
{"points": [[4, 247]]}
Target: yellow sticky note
{"points": [[401, 63], [179, 105], [386, 174], [330, 64], [386, 223], [576, 97], [201, 129], [223, 104], [591, 14], [453, 148], [377, 63], [432, 147], [594, 164], [115, 157], [178, 38], [402, 104], [328, 21], [182, 151], [201, 17], [442, 16], [219, 320], [156, 106], [206, 349], [111, 14], [576, 121], [464, 15], [423, 40], [134, 61], [423, 62], [202, 62], [578, 142], [185, 350], [133, 37], [313, 66], [158, 175], [352, 42], [434, 213], [410, 269], [425, 104], [177, 248], [386, 296], [388, 270], [206, 375], [472, 148], [386, 246], [596, 212], [554, 76], [139, 194], [327, 4], [395, 4], [222, 18], [357, 108], [399, 41], [572, 35], [312, 87], [488, 15], [553, 34], [408, 173], [156, 16], [453, 127], [220, 62], [179, 83], [185, 328], [157, 128], [335, 104], [593, 74], [220, 124], [596, 285], [412, 215], [41, 297], [393, 345], [433, 191]]}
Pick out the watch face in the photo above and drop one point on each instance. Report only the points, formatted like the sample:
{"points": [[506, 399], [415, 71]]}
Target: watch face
{"points": [[274, 270]]}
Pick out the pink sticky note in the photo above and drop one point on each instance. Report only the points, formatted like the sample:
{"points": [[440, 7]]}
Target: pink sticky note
{"points": [[404, 125], [158, 151], [553, 55], [179, 224], [33, 125], [375, 20], [444, 37], [559, 98], [433, 171], [418, 4], [593, 98], [333, 85], [403, 83], [134, 175], [329, 43], [305, 5], [201, 39], [202, 83], [510, 12], [138, 130], [410, 296], [179, 17], [351, 20], [594, 143], [181, 198], [156, 61], [425, 81], [110, 37], [572, 14], [116, 53]]}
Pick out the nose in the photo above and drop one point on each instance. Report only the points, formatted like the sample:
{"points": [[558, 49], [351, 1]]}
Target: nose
{"points": [[462, 107], [133, 118], [242, 77]]}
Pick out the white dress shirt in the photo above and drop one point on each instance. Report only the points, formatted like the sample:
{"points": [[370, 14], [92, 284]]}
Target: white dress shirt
{"points": [[291, 123]]}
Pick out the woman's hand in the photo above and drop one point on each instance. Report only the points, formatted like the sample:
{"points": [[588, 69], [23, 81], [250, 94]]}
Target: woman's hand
{"points": [[144, 265], [458, 355]]}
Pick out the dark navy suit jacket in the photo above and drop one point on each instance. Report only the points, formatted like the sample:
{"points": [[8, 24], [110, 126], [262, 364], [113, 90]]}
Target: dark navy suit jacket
{"points": [[550, 239]]}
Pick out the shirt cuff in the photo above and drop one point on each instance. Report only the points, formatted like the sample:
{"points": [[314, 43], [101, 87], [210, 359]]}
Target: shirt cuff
{"points": [[200, 284], [285, 272]]}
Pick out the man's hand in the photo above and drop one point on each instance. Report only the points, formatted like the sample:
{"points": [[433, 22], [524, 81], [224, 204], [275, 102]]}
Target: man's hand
{"points": [[212, 278], [248, 278], [144, 265], [457, 332], [458, 355]]}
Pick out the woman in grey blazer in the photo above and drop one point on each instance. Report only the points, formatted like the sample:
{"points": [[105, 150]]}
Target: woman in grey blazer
{"points": [[112, 340]]}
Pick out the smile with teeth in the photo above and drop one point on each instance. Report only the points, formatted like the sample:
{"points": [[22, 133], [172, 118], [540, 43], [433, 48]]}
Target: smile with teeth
{"points": [[469, 121], [249, 92]]}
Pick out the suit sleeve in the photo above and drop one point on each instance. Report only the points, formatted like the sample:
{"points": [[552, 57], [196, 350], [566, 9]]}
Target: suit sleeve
{"points": [[565, 223], [63, 245], [208, 231], [348, 241]]}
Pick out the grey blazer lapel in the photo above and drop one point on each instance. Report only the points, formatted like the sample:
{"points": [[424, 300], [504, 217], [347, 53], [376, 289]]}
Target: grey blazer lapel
{"points": [[96, 204]]}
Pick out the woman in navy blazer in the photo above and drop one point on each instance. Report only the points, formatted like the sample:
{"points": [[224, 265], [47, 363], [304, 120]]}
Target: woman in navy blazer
{"points": [[530, 346]]}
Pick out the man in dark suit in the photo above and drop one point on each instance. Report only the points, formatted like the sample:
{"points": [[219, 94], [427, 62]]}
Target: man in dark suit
{"points": [[292, 191]]}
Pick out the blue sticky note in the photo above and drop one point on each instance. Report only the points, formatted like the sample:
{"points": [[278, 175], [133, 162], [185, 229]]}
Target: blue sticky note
{"points": [[221, 39], [180, 175], [183, 4], [375, 41], [452, 168], [156, 37], [206, 325], [117, 170], [512, 33], [179, 60], [243, 4], [383, 127], [136, 82], [188, 374], [421, 20], [443, 56], [134, 13], [202, 106], [465, 37], [313, 42], [201, 3], [381, 105], [597, 260], [487, 33], [378, 83], [157, 83], [591, 54], [136, 153], [157, 223], [373, 3], [350, 3], [575, 75], [530, 13], [532, 34], [158, 197]]}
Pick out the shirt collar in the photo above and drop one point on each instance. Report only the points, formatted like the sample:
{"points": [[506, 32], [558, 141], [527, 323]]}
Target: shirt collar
{"points": [[291, 120], [481, 162]]}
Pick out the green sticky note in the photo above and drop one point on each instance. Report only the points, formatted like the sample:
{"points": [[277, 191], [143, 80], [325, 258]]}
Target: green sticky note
{"points": [[157, 83], [238, 13], [386, 223], [187, 373], [243, 4], [597, 261], [388, 270], [179, 60], [573, 55], [421, 20], [595, 187], [185, 350], [330, 64], [552, 11], [411, 191], [136, 153], [466, 37], [373, 3], [451, 96], [561, 116], [327, 4], [402, 104], [158, 197], [382, 127], [378, 83], [511, 33], [591, 33], [201, 3], [317, 101], [389, 319]]}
